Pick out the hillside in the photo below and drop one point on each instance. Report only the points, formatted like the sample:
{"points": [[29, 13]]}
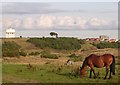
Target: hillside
{"points": [[34, 53], [22, 42]]}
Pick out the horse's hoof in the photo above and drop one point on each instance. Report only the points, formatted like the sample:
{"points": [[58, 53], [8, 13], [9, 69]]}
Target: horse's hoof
{"points": [[109, 77], [90, 77]]}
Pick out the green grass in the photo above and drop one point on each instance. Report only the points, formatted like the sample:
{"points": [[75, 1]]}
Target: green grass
{"points": [[49, 73]]}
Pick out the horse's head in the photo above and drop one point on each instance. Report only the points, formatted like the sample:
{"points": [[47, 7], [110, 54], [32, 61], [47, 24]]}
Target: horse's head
{"points": [[82, 72]]}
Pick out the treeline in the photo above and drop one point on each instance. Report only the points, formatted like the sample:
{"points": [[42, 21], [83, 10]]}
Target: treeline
{"points": [[61, 43], [103, 45]]}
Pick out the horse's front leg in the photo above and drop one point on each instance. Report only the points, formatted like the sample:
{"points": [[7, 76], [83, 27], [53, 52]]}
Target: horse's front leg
{"points": [[90, 73], [107, 70], [92, 69]]}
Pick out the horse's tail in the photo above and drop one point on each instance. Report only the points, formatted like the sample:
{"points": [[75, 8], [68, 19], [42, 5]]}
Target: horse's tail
{"points": [[112, 66]]}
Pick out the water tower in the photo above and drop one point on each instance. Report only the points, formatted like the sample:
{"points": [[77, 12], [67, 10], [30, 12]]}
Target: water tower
{"points": [[10, 33]]}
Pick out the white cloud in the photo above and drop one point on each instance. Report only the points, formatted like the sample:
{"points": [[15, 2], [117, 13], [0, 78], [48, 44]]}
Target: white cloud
{"points": [[97, 23], [81, 23], [45, 21], [64, 22], [28, 22], [17, 22], [7, 22]]}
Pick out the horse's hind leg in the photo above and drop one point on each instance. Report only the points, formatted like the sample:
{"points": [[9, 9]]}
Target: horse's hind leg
{"points": [[110, 76], [107, 70]]}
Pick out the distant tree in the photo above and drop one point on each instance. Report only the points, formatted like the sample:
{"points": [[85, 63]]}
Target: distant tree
{"points": [[20, 36], [54, 34]]}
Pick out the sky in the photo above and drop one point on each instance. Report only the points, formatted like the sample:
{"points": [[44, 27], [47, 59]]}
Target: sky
{"points": [[76, 19]]}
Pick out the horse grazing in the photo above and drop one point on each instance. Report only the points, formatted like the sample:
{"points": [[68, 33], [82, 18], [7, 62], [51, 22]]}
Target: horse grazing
{"points": [[106, 60]]}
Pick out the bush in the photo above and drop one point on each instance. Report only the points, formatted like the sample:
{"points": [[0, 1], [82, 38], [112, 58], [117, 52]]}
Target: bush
{"points": [[10, 49], [44, 54], [103, 45], [57, 43], [23, 53], [34, 53], [75, 58]]}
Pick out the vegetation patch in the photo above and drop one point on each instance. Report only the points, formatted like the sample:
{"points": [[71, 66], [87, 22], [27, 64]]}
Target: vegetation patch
{"points": [[75, 58], [12, 49], [103, 45], [45, 54], [34, 53], [61, 43]]}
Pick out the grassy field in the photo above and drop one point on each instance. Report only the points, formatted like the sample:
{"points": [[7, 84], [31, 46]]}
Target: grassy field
{"points": [[14, 70], [49, 73]]}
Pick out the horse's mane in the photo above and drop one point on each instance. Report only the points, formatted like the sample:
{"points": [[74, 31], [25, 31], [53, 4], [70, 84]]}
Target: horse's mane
{"points": [[86, 60]]}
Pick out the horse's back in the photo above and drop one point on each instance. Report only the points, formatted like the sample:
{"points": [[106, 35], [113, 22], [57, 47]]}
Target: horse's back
{"points": [[108, 59], [100, 61], [95, 61]]}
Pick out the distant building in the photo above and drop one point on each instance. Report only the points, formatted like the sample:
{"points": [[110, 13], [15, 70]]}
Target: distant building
{"points": [[112, 40], [104, 38], [101, 38], [10, 33], [93, 39]]}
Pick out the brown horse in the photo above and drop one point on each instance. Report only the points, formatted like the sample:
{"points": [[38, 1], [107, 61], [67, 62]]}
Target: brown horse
{"points": [[106, 60]]}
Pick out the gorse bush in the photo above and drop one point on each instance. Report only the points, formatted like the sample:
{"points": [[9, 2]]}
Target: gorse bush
{"points": [[75, 58], [34, 53], [57, 43], [22, 53], [45, 54], [10, 49], [103, 45]]}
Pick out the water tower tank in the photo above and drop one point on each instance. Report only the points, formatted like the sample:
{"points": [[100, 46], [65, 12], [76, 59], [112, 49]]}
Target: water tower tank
{"points": [[10, 33]]}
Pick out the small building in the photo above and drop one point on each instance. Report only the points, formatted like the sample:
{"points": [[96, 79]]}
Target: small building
{"points": [[10, 32], [103, 38]]}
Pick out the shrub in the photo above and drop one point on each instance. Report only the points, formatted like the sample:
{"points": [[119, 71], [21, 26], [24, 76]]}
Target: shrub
{"points": [[75, 58], [23, 53], [34, 53], [103, 45], [10, 49], [57, 43], [44, 54]]}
